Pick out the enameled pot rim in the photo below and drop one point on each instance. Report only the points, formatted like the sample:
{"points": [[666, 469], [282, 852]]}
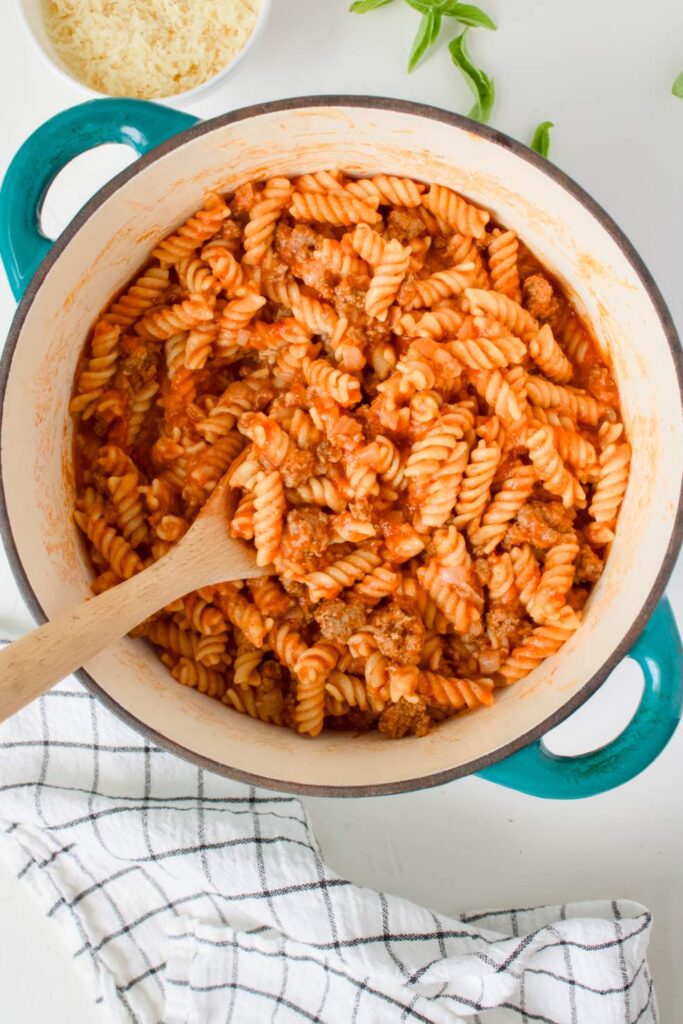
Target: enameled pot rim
{"points": [[524, 153]]}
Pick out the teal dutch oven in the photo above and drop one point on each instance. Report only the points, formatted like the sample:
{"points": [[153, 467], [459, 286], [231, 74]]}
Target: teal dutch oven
{"points": [[62, 286]]}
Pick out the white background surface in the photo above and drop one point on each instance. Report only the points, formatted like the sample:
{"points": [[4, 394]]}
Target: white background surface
{"points": [[602, 72]]}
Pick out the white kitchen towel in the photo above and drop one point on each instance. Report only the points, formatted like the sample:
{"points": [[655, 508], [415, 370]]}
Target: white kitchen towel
{"points": [[195, 900]]}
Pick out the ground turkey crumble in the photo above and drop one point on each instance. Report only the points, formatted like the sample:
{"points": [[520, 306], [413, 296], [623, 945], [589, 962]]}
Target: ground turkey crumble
{"points": [[338, 620], [404, 719], [540, 524], [399, 636]]}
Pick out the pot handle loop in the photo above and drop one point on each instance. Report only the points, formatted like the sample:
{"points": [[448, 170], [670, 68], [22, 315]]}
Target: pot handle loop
{"points": [[51, 147], [537, 771]]}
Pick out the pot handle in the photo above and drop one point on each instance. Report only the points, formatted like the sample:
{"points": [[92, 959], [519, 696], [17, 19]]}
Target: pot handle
{"points": [[51, 147], [537, 771]]}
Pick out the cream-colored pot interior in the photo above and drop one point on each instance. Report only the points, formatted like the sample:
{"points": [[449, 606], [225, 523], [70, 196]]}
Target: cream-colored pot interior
{"points": [[113, 242]]}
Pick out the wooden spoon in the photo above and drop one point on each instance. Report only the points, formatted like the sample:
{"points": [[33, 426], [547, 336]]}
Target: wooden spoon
{"points": [[206, 555]]}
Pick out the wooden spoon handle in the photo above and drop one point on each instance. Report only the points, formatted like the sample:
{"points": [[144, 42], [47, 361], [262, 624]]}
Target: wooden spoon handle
{"points": [[31, 665]]}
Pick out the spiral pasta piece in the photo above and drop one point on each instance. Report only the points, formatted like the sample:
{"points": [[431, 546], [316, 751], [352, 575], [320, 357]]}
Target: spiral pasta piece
{"points": [[442, 490], [247, 395], [503, 592], [556, 581], [174, 353], [387, 189], [578, 404], [436, 446], [320, 182], [508, 312], [367, 243], [342, 387], [199, 677], [269, 597], [211, 650], [287, 643], [100, 368], [476, 485], [462, 612], [440, 285], [323, 492], [312, 670], [113, 461], [402, 683], [437, 324], [552, 470], [574, 338], [234, 318], [245, 668], [344, 572], [412, 591], [318, 317], [386, 279], [338, 260], [242, 522], [195, 276], [611, 485], [541, 644], [269, 510], [455, 211], [333, 208], [549, 357], [503, 508], [163, 323], [170, 528], [252, 701], [165, 633], [224, 267], [198, 229], [212, 461], [302, 430], [111, 545], [502, 249], [263, 217], [140, 297], [125, 496], [199, 345], [273, 442], [349, 691], [488, 353], [242, 613], [498, 394], [451, 692], [527, 573], [573, 448], [203, 615], [379, 583]]}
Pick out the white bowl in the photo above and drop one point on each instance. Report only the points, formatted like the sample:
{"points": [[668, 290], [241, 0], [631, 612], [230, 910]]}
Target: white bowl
{"points": [[34, 21]]}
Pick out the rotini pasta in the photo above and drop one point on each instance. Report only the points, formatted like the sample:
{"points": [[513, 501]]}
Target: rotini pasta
{"points": [[423, 439]]}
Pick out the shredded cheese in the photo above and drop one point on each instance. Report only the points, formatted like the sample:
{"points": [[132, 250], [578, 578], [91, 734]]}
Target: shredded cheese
{"points": [[148, 48]]}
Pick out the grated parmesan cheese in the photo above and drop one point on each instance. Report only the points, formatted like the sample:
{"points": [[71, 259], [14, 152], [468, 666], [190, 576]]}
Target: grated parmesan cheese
{"points": [[148, 48]]}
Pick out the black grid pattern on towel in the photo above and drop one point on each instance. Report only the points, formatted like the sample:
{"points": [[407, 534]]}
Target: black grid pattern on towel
{"points": [[190, 898]]}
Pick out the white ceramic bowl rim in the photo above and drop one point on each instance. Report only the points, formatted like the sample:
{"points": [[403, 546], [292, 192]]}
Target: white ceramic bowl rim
{"points": [[524, 153], [62, 69]]}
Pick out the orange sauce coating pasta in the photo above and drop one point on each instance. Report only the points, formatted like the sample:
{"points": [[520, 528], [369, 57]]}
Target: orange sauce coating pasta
{"points": [[424, 438]]}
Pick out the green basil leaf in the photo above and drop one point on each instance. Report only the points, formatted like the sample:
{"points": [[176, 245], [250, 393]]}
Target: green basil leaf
{"points": [[540, 142], [423, 6], [361, 6], [426, 36], [468, 14], [677, 87], [479, 82]]}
